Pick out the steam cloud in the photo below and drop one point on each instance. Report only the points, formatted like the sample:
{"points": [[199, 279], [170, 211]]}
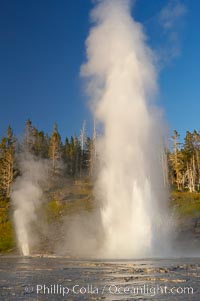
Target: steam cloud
{"points": [[122, 84], [27, 196]]}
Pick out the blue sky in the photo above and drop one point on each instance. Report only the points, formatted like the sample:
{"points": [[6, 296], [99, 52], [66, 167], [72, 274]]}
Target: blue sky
{"points": [[42, 48]]}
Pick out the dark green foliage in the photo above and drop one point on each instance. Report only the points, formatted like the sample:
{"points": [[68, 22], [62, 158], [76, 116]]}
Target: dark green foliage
{"points": [[71, 159], [184, 162], [7, 163], [76, 157], [35, 142], [6, 230], [55, 151]]}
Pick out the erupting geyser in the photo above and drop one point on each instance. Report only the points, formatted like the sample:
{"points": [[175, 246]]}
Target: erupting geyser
{"points": [[122, 82], [27, 197]]}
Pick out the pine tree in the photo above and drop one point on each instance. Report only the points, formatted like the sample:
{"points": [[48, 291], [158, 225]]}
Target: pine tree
{"points": [[73, 156], [7, 149], [77, 156], [196, 136], [66, 155], [192, 159], [89, 156], [91, 152], [176, 162], [29, 137], [83, 150], [41, 144], [55, 150]]}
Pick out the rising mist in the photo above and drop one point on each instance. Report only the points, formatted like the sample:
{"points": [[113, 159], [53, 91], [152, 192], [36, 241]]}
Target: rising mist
{"points": [[27, 197]]}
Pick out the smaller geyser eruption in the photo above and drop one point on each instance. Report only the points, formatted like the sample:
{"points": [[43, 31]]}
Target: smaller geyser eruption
{"points": [[130, 187], [27, 197]]}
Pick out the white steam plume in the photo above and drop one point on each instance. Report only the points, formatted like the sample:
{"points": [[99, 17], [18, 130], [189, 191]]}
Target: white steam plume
{"points": [[27, 197], [122, 82]]}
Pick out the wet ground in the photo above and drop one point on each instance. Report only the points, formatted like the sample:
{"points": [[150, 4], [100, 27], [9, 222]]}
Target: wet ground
{"points": [[63, 279]]}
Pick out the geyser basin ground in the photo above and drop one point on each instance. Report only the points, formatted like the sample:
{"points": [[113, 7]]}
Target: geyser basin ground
{"points": [[98, 280]]}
